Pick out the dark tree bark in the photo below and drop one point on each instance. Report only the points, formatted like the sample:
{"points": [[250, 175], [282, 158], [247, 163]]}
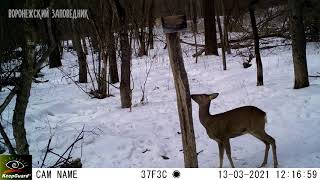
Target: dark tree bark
{"points": [[183, 100], [76, 42], [142, 35], [23, 92], [301, 78], [84, 46], [125, 89], [151, 22], [55, 56], [224, 61], [211, 45], [226, 33], [256, 43], [113, 68], [150, 33], [82, 58], [142, 38]]}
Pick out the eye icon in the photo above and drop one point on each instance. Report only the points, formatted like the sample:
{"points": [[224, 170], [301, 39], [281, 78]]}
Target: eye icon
{"points": [[14, 164]]}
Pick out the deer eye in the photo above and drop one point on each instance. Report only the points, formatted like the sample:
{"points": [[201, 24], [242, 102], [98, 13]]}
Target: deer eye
{"points": [[15, 164]]}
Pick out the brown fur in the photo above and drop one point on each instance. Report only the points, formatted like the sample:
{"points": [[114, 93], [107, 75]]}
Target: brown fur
{"points": [[221, 127]]}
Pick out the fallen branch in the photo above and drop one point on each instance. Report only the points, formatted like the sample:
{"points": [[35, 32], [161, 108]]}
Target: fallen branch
{"points": [[191, 44], [315, 76], [199, 53]]}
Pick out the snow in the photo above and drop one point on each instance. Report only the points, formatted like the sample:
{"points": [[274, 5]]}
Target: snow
{"points": [[120, 138]]}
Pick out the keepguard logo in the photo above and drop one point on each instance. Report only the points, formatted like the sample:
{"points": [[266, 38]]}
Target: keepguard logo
{"points": [[15, 167]]}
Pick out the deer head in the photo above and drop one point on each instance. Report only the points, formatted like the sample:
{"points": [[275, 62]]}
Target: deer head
{"points": [[203, 99]]}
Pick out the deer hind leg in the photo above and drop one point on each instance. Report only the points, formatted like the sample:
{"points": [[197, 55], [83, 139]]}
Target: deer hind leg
{"points": [[221, 152], [266, 153], [274, 150], [226, 144], [266, 137]]}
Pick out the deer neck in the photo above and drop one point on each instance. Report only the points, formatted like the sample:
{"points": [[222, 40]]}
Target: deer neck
{"points": [[204, 113]]}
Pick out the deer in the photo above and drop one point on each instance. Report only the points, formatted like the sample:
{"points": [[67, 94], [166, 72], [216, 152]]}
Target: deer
{"points": [[233, 123]]}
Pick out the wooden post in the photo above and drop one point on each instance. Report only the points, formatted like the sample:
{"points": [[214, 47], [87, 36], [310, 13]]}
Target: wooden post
{"points": [[183, 96]]}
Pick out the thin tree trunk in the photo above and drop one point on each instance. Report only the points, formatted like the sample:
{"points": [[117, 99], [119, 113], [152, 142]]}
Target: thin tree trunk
{"points": [[125, 89], [224, 61], [55, 56], [183, 100], [194, 16], [211, 45], [256, 43], [84, 46], [113, 68], [142, 38], [150, 33], [226, 33], [151, 25], [82, 58], [298, 44], [142, 49]]}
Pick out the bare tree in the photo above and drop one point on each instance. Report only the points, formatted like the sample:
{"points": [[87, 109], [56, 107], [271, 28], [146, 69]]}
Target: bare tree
{"points": [[55, 56], [211, 45], [298, 44], [222, 40], [76, 42], [125, 90], [256, 42]]}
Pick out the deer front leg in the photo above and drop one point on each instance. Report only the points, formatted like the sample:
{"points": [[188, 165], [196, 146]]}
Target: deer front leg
{"points": [[226, 144], [221, 152]]}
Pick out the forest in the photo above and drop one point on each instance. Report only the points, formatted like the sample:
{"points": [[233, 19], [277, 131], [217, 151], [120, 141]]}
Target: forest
{"points": [[161, 83]]}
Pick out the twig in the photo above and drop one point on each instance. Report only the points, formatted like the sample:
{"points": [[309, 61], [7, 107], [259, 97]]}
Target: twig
{"points": [[7, 140], [79, 137], [47, 150], [8, 99], [67, 75]]}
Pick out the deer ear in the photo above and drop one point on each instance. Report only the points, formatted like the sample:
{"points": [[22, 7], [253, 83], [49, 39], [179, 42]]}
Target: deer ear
{"points": [[213, 96]]}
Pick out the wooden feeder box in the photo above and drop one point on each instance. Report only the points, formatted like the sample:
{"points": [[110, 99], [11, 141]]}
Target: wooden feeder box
{"points": [[172, 24]]}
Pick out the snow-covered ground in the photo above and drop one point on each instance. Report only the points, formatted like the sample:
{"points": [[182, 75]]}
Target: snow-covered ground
{"points": [[140, 138]]}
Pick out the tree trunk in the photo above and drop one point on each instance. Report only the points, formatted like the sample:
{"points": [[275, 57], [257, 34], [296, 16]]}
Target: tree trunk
{"points": [[82, 58], [256, 44], [183, 100], [113, 68], [125, 89], [55, 56], [298, 44], [84, 46], [151, 22], [211, 45], [103, 82], [142, 38], [142, 35], [226, 33], [150, 33], [23, 93], [224, 61]]}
